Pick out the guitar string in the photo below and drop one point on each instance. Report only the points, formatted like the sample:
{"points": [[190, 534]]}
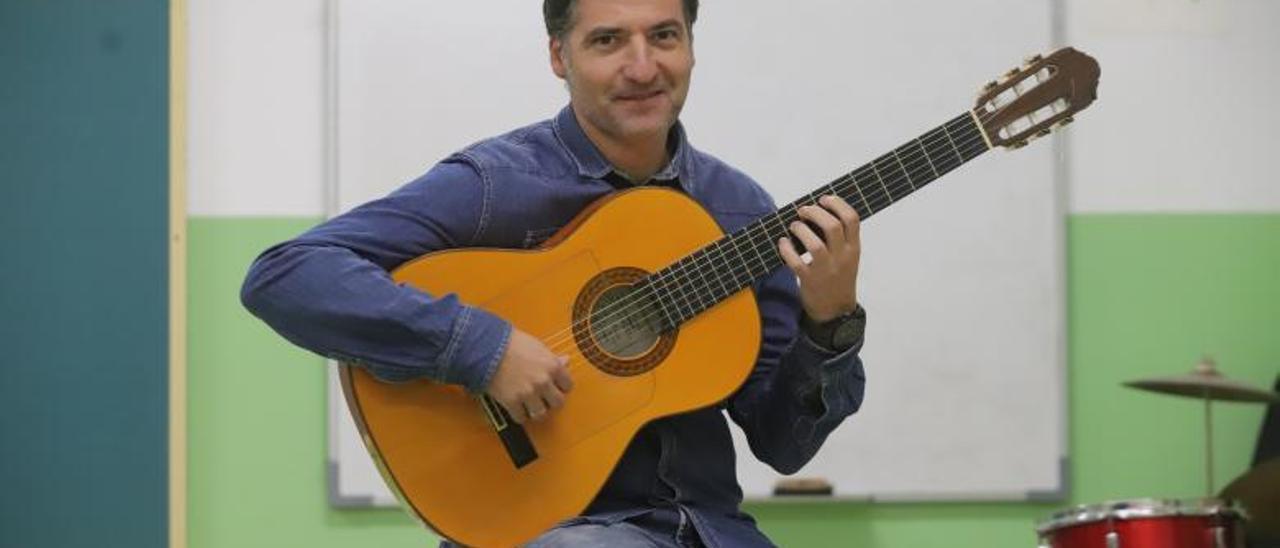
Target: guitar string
{"points": [[917, 160], [566, 335], [716, 250], [558, 341], [776, 219]]}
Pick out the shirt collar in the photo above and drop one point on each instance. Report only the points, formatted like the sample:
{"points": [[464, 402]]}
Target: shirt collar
{"points": [[591, 163]]}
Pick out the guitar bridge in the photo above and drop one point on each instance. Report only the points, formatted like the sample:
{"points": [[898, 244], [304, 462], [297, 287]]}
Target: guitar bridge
{"points": [[513, 436]]}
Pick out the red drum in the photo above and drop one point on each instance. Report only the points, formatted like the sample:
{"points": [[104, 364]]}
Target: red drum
{"points": [[1203, 523]]}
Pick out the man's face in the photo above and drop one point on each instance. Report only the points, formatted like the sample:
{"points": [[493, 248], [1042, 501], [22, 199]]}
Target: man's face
{"points": [[627, 63]]}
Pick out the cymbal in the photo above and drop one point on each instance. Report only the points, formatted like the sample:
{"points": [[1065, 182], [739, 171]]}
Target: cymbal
{"points": [[1206, 382], [1259, 490]]}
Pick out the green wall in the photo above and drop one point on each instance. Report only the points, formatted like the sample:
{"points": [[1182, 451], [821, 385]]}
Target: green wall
{"points": [[84, 223], [1148, 294]]}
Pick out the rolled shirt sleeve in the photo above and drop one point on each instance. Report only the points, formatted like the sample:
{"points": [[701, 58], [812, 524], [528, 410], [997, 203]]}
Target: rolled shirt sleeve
{"points": [[798, 392], [330, 291]]}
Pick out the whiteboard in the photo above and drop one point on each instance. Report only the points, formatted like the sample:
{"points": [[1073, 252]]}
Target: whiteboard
{"points": [[964, 283]]}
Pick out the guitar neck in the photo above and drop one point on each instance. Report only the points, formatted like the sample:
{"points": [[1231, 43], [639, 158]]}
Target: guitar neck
{"points": [[701, 279]]}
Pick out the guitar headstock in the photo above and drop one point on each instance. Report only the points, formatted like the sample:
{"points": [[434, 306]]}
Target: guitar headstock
{"points": [[1030, 101]]}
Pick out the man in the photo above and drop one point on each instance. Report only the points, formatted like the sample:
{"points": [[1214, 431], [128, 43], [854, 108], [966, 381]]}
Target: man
{"points": [[627, 64]]}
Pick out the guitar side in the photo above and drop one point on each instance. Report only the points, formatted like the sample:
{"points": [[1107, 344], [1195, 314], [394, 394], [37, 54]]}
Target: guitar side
{"points": [[438, 449]]}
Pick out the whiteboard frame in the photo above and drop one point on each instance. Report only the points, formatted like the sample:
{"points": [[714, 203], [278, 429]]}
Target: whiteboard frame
{"points": [[340, 424]]}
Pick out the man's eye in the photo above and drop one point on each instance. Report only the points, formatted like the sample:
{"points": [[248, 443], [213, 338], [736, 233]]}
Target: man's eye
{"points": [[666, 35], [605, 40]]}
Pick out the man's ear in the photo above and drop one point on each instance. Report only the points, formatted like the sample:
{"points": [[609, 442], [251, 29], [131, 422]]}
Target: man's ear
{"points": [[554, 45]]}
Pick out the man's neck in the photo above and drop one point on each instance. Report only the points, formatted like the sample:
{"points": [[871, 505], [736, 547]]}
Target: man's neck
{"points": [[637, 159]]}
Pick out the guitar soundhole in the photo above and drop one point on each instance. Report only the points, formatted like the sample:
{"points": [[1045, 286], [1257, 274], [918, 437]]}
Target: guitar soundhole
{"points": [[618, 325]]}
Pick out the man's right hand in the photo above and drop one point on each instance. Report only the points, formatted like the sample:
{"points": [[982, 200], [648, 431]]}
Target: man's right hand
{"points": [[531, 380]]}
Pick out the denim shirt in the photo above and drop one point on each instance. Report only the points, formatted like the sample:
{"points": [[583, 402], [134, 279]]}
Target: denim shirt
{"points": [[329, 291]]}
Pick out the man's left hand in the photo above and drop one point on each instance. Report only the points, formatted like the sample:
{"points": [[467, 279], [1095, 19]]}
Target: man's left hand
{"points": [[828, 283]]}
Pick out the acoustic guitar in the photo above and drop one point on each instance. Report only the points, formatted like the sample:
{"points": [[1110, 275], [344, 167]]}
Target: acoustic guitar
{"points": [[642, 316]]}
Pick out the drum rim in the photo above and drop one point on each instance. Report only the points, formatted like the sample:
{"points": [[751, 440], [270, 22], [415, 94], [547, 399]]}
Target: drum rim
{"points": [[1127, 509]]}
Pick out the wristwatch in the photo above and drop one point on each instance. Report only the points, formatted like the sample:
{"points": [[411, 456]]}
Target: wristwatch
{"points": [[839, 333]]}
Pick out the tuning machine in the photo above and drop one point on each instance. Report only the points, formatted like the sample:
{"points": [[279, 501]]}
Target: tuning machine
{"points": [[1032, 60], [1038, 134], [1063, 122]]}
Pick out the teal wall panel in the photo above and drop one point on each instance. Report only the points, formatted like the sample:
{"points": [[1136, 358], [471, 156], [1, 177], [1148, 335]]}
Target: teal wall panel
{"points": [[83, 288]]}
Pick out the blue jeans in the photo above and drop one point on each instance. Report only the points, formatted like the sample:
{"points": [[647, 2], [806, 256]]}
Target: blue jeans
{"points": [[623, 534], [659, 528]]}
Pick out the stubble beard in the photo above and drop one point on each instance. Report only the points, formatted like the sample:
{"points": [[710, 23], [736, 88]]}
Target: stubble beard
{"points": [[609, 116]]}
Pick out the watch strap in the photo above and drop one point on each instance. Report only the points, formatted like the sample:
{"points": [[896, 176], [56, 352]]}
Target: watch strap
{"points": [[824, 334]]}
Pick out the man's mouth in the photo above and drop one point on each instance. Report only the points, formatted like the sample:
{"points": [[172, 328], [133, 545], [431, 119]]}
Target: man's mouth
{"points": [[639, 96]]}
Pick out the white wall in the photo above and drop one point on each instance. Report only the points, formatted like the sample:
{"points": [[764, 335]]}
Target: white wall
{"points": [[255, 123], [1183, 122]]}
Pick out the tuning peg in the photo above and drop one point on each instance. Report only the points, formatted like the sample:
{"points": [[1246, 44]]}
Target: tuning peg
{"points": [[1018, 144], [1034, 59], [1013, 72], [1044, 132], [990, 86], [1065, 121]]}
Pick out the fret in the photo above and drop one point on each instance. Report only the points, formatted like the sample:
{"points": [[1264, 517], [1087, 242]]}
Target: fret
{"points": [[736, 243], [910, 181], [861, 196], [828, 190], [683, 310], [743, 276], [702, 279], [683, 286], [953, 144], [667, 313], [925, 152], [702, 288], [789, 214], [768, 239], [657, 282], [917, 164], [709, 278], [969, 136], [944, 157], [751, 263], [895, 176], [875, 194], [650, 287], [781, 231], [706, 272], [725, 275], [876, 172], [721, 270], [746, 269]]}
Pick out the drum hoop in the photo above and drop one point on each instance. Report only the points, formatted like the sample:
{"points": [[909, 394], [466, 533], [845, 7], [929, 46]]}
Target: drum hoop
{"points": [[1121, 510]]}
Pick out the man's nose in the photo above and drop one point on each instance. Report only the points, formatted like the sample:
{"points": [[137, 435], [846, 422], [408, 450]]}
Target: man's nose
{"points": [[641, 65]]}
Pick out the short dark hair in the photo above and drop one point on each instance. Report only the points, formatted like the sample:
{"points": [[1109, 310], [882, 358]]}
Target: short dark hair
{"points": [[558, 15]]}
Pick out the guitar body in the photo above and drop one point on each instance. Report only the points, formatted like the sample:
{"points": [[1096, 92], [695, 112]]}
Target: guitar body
{"points": [[439, 449]]}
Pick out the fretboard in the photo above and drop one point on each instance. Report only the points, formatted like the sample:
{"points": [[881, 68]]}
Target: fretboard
{"points": [[702, 279]]}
